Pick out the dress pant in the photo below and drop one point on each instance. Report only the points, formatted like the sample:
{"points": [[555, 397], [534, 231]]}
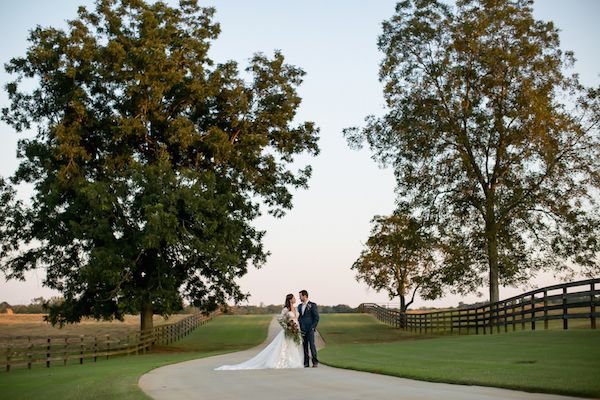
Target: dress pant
{"points": [[309, 340]]}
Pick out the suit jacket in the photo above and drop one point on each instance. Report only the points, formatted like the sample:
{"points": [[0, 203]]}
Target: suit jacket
{"points": [[309, 320]]}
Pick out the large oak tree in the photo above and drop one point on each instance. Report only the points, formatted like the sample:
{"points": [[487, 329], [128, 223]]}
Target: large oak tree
{"points": [[490, 138], [150, 161]]}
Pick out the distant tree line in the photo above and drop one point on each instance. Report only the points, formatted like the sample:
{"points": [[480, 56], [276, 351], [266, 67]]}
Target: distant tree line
{"points": [[276, 308], [38, 305]]}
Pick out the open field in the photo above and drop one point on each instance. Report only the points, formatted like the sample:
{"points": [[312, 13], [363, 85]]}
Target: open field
{"points": [[117, 378], [19, 325], [552, 361]]}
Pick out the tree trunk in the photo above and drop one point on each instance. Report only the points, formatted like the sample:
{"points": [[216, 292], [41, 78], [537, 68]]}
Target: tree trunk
{"points": [[402, 322], [491, 236], [493, 261], [402, 303], [146, 315]]}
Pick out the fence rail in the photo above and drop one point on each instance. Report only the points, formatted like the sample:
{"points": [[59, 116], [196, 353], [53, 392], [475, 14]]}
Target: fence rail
{"points": [[563, 303], [20, 351]]}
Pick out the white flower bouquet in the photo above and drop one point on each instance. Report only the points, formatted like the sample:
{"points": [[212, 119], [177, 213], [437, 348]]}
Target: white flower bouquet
{"points": [[290, 327]]}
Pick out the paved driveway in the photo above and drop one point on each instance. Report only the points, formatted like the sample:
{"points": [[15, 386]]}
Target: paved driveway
{"points": [[197, 379]]}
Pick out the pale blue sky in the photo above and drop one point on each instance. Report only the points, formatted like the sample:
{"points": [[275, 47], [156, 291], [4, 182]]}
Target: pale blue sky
{"points": [[334, 41]]}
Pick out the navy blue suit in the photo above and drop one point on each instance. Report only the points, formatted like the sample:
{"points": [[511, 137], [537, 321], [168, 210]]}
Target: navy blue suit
{"points": [[308, 323]]}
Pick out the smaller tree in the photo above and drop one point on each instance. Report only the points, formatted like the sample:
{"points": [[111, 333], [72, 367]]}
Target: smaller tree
{"points": [[399, 258]]}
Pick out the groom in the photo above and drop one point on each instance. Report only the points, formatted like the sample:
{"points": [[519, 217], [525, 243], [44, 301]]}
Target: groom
{"points": [[309, 318]]}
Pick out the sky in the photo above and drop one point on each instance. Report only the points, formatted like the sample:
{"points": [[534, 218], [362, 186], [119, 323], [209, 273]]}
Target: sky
{"points": [[314, 245]]}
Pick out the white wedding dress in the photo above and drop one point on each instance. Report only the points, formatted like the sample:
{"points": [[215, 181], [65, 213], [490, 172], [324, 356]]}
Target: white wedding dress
{"points": [[282, 352]]}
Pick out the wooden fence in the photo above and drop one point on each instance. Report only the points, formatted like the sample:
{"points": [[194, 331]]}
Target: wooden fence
{"points": [[550, 305], [23, 350]]}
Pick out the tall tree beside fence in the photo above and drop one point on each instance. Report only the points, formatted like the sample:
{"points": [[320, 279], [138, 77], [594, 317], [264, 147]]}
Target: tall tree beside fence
{"points": [[490, 137], [149, 161]]}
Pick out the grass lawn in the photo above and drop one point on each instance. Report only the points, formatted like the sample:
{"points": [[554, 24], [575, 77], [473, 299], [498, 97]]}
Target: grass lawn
{"points": [[117, 378], [553, 361]]}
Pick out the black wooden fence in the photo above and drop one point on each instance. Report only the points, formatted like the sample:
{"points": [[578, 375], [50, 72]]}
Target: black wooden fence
{"points": [[26, 350], [577, 302]]}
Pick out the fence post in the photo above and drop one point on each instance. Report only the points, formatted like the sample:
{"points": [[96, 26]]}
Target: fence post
{"points": [[468, 321], [522, 300], [48, 353], [95, 348], [107, 346], [492, 316], [593, 305], [505, 305], [143, 339], [8, 354], [137, 339], [452, 315], [545, 309], [66, 351], [81, 347], [533, 312], [513, 308], [445, 322], [485, 320], [565, 309], [29, 352], [497, 316], [452, 322]]}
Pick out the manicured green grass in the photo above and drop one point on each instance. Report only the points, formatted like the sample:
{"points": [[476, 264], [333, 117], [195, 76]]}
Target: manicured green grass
{"points": [[562, 362], [227, 333], [117, 378]]}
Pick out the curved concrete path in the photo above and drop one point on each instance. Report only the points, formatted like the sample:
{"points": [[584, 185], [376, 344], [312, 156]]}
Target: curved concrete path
{"points": [[197, 379]]}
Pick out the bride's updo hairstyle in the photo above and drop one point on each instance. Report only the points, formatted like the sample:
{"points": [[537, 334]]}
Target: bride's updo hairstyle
{"points": [[288, 301]]}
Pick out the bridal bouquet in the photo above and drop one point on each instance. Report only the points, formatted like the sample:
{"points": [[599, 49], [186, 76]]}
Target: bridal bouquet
{"points": [[290, 327]]}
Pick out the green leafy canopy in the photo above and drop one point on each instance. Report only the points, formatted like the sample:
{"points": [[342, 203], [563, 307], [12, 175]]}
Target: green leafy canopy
{"points": [[150, 161]]}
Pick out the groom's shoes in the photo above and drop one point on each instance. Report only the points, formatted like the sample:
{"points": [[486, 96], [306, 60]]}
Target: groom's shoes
{"points": [[315, 365], [306, 366]]}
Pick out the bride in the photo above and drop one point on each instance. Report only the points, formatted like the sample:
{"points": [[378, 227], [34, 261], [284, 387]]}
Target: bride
{"points": [[282, 352]]}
